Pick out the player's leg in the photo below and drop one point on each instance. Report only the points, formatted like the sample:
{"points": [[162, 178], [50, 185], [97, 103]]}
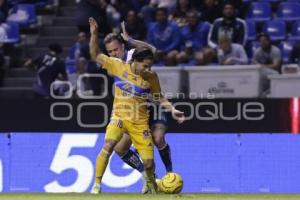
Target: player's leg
{"points": [[149, 175], [142, 141], [113, 134], [102, 159], [158, 131], [129, 156]]}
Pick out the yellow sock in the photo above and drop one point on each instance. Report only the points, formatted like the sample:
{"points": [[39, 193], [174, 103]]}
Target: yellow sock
{"points": [[101, 163]]}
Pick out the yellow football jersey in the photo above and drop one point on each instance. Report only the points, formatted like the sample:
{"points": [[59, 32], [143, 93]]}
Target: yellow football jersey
{"points": [[131, 92]]}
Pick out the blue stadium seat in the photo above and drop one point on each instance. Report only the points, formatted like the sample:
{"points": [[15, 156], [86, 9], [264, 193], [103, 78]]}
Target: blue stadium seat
{"points": [[295, 34], [289, 11], [259, 11], [9, 33], [286, 48], [23, 14], [251, 25], [276, 29]]}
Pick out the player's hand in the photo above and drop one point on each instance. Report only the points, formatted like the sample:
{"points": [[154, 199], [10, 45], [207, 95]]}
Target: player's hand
{"points": [[147, 74], [124, 33], [93, 25], [228, 61], [178, 115]]}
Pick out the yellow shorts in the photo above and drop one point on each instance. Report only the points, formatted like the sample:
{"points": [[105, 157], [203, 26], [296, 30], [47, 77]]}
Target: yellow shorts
{"points": [[140, 136]]}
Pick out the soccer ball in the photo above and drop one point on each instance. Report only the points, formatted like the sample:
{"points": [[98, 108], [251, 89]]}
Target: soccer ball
{"points": [[171, 183]]}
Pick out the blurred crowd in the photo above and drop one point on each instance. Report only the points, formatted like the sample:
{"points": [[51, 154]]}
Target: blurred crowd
{"points": [[183, 32]]}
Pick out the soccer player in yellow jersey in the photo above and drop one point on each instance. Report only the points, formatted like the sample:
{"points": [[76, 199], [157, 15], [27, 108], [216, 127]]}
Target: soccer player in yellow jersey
{"points": [[133, 83]]}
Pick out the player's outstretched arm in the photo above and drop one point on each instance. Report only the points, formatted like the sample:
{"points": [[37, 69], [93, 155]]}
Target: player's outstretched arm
{"points": [[106, 62], [178, 115], [135, 43], [152, 78], [94, 42]]}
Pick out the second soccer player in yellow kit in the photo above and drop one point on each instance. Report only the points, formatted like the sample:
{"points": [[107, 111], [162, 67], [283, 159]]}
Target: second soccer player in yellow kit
{"points": [[134, 82]]}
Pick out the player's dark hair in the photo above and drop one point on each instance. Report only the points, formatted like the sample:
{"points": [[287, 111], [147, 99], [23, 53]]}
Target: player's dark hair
{"points": [[162, 9], [142, 53], [111, 37], [228, 2], [263, 35], [55, 47]]}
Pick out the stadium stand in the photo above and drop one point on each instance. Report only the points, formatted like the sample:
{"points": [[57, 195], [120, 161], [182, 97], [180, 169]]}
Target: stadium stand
{"points": [[289, 11], [9, 33], [251, 25], [295, 33], [286, 48], [259, 12], [32, 25], [23, 14], [56, 26], [276, 29]]}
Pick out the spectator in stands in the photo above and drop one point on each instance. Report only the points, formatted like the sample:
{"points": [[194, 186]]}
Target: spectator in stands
{"points": [[230, 53], [112, 14], [148, 11], [295, 54], [267, 55], [207, 56], [194, 36], [82, 85], [210, 10], [74, 52], [95, 9], [165, 37], [235, 28], [49, 68], [182, 8], [89, 66], [75, 63], [135, 26], [3, 10]]}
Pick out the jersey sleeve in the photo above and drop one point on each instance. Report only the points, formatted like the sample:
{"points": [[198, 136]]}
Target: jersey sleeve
{"points": [[129, 55], [38, 60], [109, 63]]}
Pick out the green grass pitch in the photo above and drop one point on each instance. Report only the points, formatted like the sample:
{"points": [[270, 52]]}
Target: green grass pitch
{"points": [[114, 196]]}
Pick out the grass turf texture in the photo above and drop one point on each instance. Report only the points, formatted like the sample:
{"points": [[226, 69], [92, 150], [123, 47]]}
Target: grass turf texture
{"points": [[114, 196]]}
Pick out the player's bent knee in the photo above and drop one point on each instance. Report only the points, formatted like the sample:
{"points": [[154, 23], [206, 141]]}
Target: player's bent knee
{"points": [[123, 145], [159, 136], [109, 145], [159, 142], [121, 151]]}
